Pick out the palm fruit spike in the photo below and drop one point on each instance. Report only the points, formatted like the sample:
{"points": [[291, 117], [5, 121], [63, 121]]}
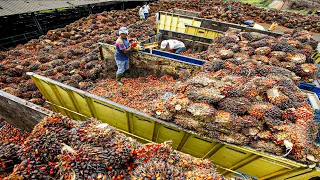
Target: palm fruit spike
{"points": [[234, 138], [297, 58], [177, 103], [247, 50], [244, 70], [201, 79], [250, 131], [261, 58], [187, 122], [235, 105], [229, 65], [240, 56], [206, 94], [267, 146], [262, 50], [225, 54], [305, 69], [249, 90], [259, 110], [279, 99], [223, 117], [202, 111], [264, 134], [280, 55], [272, 122], [213, 66], [160, 111]]}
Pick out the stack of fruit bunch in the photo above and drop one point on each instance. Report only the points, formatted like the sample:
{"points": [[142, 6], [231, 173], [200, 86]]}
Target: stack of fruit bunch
{"points": [[245, 103], [162, 161], [70, 54], [60, 148], [292, 51], [10, 140], [240, 12]]}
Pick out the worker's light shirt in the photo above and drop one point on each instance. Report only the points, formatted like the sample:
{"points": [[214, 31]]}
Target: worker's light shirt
{"points": [[122, 44], [175, 44], [146, 9], [141, 11]]}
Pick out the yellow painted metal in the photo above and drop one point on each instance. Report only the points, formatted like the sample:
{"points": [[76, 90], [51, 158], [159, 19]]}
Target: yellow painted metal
{"points": [[202, 32], [80, 104], [175, 22], [185, 24], [316, 57], [300, 174]]}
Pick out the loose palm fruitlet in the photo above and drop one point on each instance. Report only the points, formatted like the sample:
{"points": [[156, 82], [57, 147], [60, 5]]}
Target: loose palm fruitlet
{"points": [[92, 150]]}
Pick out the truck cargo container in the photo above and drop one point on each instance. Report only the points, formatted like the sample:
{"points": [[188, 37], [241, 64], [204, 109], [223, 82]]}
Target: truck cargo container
{"points": [[229, 158]]}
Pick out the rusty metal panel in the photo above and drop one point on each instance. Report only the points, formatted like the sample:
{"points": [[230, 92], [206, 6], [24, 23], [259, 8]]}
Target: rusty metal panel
{"points": [[20, 113]]}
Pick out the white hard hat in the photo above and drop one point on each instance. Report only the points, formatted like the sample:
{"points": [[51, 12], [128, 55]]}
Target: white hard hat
{"points": [[123, 30], [164, 44]]}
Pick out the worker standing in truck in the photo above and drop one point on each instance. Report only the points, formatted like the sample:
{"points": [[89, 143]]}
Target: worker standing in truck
{"points": [[173, 46], [122, 54], [146, 11]]}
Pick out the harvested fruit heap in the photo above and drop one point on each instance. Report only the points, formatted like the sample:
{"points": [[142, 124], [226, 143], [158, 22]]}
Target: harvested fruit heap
{"points": [[292, 51], [240, 12], [10, 140], [70, 54], [59, 148], [237, 101], [246, 103]]}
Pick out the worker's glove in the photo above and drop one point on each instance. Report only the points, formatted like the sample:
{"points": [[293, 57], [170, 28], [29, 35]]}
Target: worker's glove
{"points": [[134, 44]]}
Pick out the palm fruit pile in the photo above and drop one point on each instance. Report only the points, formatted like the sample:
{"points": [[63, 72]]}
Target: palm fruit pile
{"points": [[305, 5], [70, 54], [215, 9], [10, 140], [242, 102], [162, 161], [292, 51], [268, 113], [59, 148], [240, 12]]}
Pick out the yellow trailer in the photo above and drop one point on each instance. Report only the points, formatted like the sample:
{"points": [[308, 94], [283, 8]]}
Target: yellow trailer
{"points": [[230, 159], [185, 24]]}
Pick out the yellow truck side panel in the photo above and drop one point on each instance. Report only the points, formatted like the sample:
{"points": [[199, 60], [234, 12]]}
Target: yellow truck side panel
{"points": [[202, 32], [176, 22]]}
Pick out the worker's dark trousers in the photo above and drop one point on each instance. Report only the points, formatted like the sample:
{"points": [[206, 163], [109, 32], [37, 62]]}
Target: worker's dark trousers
{"points": [[179, 50]]}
